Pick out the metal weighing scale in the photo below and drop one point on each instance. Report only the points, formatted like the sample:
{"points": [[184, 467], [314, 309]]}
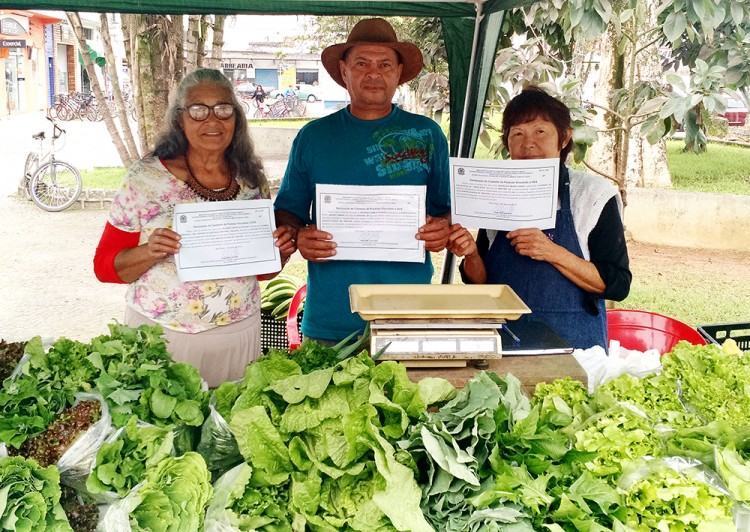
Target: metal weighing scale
{"points": [[436, 325]]}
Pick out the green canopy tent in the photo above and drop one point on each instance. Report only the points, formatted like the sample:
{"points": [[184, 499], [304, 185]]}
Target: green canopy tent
{"points": [[471, 31]]}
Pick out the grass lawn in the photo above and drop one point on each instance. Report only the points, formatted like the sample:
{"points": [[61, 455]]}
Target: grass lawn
{"points": [[690, 297], [724, 169], [108, 178]]}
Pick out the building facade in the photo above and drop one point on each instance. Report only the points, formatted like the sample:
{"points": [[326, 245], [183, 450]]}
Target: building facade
{"points": [[40, 58], [27, 62]]}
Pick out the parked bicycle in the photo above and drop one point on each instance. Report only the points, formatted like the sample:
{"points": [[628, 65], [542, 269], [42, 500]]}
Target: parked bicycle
{"points": [[52, 184], [76, 105], [287, 106]]}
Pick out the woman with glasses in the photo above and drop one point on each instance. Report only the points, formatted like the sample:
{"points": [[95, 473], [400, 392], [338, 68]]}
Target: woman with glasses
{"points": [[205, 154]]}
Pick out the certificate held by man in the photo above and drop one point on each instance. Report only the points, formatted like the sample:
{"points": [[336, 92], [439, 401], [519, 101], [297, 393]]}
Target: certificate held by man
{"points": [[504, 195], [225, 239], [373, 223]]}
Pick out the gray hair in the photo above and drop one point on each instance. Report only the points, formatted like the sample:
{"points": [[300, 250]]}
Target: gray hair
{"points": [[243, 162]]}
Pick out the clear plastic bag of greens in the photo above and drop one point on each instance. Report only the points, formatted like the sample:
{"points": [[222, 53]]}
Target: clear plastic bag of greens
{"points": [[683, 483], [227, 489], [79, 458], [217, 443], [186, 437], [116, 516], [122, 461], [741, 517]]}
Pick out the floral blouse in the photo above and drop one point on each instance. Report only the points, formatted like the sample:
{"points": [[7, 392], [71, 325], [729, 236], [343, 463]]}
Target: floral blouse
{"points": [[145, 203]]}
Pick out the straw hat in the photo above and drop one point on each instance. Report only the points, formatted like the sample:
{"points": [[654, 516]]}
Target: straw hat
{"points": [[375, 31]]}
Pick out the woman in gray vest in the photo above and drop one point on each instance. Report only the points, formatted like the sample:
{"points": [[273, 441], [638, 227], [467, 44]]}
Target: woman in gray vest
{"points": [[564, 274]]}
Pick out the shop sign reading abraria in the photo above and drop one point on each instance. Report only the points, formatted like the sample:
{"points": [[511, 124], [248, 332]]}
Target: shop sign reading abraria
{"points": [[12, 43]]}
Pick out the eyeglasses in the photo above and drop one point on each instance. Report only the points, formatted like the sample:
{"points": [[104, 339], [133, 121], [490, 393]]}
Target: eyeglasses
{"points": [[199, 111]]}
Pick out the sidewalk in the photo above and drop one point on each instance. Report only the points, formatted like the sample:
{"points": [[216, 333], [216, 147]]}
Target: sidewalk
{"points": [[48, 284]]}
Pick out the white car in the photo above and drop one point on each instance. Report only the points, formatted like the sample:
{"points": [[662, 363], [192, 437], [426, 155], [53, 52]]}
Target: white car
{"points": [[311, 93], [245, 87]]}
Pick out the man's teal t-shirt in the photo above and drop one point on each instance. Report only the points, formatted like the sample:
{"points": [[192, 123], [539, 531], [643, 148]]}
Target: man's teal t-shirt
{"points": [[340, 149]]}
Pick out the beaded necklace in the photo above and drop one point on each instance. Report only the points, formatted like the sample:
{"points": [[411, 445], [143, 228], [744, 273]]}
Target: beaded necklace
{"points": [[223, 194]]}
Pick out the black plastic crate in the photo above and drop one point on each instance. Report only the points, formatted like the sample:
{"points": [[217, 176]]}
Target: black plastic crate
{"points": [[273, 332], [717, 333]]}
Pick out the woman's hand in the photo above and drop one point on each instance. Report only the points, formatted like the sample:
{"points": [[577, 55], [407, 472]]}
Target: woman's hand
{"points": [[285, 238], [534, 244], [162, 243], [435, 233], [315, 245], [460, 242]]}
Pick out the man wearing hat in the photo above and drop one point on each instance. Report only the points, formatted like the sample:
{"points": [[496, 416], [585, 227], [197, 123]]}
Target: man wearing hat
{"points": [[370, 142]]}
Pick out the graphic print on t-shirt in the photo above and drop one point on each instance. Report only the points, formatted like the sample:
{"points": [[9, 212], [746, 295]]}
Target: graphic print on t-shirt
{"points": [[399, 152]]}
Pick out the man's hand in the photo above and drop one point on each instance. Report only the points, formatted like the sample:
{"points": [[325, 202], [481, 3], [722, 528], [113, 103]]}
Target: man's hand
{"points": [[533, 243], [315, 245], [285, 238], [460, 242], [435, 233]]}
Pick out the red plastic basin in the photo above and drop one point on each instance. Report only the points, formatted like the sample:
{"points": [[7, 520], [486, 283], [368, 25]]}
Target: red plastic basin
{"points": [[642, 330]]}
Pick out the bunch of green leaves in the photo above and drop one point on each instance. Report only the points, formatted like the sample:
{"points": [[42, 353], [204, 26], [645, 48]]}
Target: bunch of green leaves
{"points": [[698, 368], [493, 460], [30, 497], [312, 355], [658, 396], [559, 499], [658, 498], [217, 444], [328, 435], [700, 443], [239, 504], [173, 496], [46, 384], [452, 446], [122, 463], [734, 471], [562, 404], [137, 376], [614, 436]]}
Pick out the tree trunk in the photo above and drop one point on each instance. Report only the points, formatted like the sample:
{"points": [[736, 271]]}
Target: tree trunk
{"points": [[125, 23], [603, 155], [179, 61], [218, 42], [191, 42], [75, 23], [632, 160], [154, 61], [200, 49], [119, 101], [647, 163]]}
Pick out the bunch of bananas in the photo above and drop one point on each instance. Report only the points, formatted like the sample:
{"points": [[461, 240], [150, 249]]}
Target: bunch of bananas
{"points": [[277, 294]]}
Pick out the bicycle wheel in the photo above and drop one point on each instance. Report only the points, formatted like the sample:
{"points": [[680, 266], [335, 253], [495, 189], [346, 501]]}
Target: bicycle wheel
{"points": [[63, 112], [55, 186], [24, 187]]}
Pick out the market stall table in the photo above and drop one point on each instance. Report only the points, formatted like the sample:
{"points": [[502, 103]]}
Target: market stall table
{"points": [[530, 370]]}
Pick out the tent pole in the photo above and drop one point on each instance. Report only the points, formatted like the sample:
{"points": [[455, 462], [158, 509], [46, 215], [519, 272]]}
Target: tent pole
{"points": [[478, 5], [450, 260]]}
